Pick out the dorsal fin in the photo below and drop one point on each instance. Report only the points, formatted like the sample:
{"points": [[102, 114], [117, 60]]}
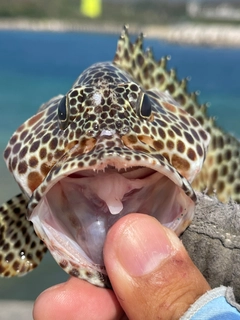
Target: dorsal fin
{"points": [[221, 170], [154, 74]]}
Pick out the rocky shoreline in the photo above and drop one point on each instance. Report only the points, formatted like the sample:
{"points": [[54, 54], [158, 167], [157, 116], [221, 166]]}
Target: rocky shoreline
{"points": [[187, 33]]}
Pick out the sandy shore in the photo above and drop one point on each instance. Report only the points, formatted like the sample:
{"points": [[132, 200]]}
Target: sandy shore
{"points": [[194, 34]]}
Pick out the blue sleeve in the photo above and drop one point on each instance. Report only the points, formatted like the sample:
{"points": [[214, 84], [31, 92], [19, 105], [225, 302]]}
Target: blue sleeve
{"points": [[216, 304]]}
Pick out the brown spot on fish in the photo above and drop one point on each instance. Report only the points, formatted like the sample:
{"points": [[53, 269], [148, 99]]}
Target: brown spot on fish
{"points": [[34, 119], [22, 167], [33, 162], [7, 153], [74, 272], [9, 257], [63, 264], [180, 163], [45, 168], [180, 146], [169, 106], [35, 145], [34, 180], [158, 145], [170, 144], [191, 154]]}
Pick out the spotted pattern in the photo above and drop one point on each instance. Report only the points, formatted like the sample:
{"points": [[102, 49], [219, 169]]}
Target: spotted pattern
{"points": [[221, 172], [20, 249], [126, 113]]}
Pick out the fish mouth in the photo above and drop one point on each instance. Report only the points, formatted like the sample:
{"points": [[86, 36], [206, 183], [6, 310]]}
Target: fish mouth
{"points": [[78, 208]]}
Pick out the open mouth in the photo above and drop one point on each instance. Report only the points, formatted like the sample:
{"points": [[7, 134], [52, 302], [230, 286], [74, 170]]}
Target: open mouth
{"points": [[75, 214]]}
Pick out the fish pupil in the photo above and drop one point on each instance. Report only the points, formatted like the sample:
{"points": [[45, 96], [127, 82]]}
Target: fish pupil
{"points": [[63, 113], [145, 107]]}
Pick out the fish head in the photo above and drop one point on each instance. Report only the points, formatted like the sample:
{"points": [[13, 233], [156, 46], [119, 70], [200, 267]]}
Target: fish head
{"points": [[105, 149]]}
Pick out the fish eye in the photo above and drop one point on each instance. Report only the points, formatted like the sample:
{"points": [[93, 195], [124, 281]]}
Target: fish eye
{"points": [[144, 106], [63, 113]]}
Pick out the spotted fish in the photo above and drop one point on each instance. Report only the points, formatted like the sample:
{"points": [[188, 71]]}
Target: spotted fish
{"points": [[127, 137]]}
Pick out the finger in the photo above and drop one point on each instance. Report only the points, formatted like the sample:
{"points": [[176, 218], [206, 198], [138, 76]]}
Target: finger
{"points": [[150, 271], [77, 299]]}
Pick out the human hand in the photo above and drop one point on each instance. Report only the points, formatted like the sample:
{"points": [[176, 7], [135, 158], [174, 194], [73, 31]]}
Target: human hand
{"points": [[151, 274]]}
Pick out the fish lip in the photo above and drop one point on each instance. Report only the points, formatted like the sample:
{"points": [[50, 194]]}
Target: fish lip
{"points": [[120, 158]]}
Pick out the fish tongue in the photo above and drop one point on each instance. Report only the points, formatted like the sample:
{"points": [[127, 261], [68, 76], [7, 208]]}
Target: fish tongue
{"points": [[115, 206], [112, 187]]}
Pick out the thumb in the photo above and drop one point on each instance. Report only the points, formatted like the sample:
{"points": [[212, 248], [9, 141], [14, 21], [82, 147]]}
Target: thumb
{"points": [[150, 271]]}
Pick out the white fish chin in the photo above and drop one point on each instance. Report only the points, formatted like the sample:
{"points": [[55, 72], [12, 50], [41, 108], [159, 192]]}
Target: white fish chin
{"points": [[74, 216]]}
